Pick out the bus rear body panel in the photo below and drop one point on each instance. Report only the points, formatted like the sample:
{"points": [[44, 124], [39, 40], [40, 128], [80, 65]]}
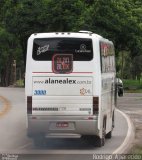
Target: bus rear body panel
{"points": [[62, 95], [65, 86]]}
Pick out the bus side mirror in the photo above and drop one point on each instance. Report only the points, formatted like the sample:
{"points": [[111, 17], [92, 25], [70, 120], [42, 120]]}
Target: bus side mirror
{"points": [[120, 91]]}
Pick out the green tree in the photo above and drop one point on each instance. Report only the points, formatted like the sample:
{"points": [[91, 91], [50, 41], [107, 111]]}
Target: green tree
{"points": [[119, 21], [8, 52], [29, 16], [137, 67]]}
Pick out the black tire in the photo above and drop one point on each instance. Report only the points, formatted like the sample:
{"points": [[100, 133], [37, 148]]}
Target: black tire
{"points": [[109, 135], [101, 141], [113, 124], [85, 137], [93, 140], [103, 136]]}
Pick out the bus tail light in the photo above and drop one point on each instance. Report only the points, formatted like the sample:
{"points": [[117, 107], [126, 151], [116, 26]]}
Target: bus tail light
{"points": [[29, 104], [95, 105]]}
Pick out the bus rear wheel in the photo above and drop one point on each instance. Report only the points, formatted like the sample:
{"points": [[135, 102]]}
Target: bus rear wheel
{"points": [[109, 135], [101, 141]]}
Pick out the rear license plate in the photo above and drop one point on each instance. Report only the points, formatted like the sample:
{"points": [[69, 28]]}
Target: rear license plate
{"points": [[62, 124]]}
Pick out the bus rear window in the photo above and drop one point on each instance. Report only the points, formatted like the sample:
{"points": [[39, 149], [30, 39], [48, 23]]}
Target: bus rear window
{"points": [[45, 48]]}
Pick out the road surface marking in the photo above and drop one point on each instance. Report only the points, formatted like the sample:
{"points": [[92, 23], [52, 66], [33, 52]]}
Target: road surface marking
{"points": [[24, 146], [125, 146], [6, 106]]}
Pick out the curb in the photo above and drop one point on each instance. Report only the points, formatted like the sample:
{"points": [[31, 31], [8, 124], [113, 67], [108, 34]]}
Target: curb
{"points": [[127, 144]]}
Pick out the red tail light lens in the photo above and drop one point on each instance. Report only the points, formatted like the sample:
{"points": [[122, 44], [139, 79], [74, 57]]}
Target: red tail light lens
{"points": [[95, 105], [29, 104]]}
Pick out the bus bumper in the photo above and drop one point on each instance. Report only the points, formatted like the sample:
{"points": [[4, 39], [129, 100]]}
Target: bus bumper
{"points": [[62, 126]]}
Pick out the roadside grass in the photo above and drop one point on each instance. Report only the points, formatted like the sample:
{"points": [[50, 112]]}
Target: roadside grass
{"points": [[137, 151], [132, 86], [20, 83], [133, 90]]}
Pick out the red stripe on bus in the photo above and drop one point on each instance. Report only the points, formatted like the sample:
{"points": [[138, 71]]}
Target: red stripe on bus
{"points": [[69, 73]]}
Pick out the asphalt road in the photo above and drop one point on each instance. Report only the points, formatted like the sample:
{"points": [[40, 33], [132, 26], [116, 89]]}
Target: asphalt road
{"points": [[131, 104], [13, 139]]}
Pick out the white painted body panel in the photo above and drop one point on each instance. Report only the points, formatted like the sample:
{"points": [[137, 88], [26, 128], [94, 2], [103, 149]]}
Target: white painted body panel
{"points": [[67, 99]]}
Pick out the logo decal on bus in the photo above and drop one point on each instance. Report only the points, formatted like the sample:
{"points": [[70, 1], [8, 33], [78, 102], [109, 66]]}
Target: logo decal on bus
{"points": [[40, 92], [42, 49], [82, 49], [62, 63], [84, 91]]}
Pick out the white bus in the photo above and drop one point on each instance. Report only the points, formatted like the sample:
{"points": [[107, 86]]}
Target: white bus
{"points": [[70, 86]]}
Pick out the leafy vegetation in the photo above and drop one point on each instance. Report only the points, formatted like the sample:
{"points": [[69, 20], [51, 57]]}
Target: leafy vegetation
{"points": [[133, 86], [119, 21], [137, 151]]}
